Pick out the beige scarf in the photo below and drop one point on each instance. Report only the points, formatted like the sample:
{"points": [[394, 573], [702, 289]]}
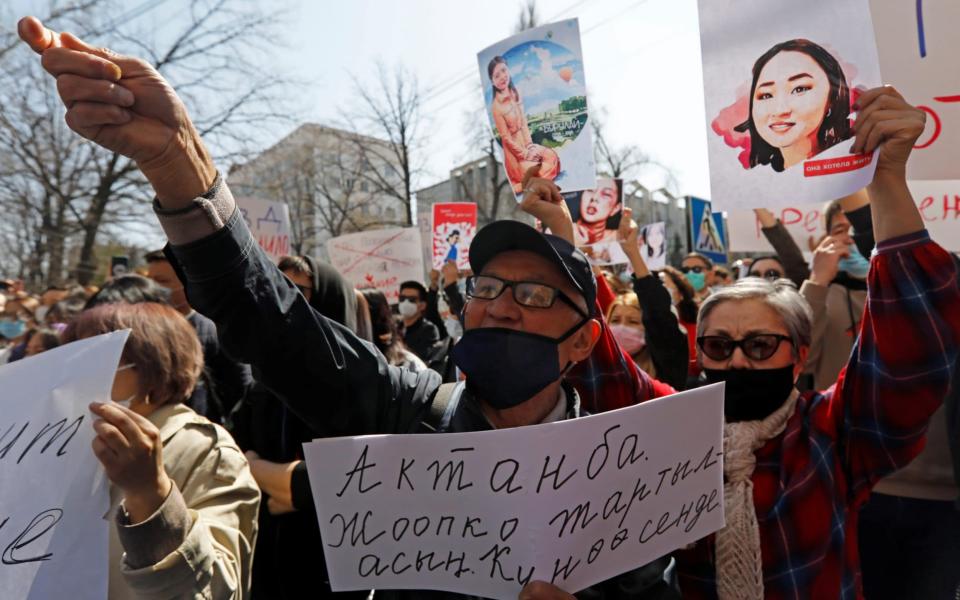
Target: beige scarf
{"points": [[738, 564]]}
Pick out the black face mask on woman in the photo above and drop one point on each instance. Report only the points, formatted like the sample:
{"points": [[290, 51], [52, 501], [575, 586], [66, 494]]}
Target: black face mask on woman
{"points": [[752, 394], [506, 367]]}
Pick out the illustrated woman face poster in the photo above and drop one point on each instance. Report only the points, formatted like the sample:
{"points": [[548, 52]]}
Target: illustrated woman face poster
{"points": [[780, 82], [536, 99], [596, 212]]}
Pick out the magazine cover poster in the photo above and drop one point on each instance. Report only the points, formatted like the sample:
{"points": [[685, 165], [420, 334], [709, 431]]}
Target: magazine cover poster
{"points": [[536, 101], [454, 225]]}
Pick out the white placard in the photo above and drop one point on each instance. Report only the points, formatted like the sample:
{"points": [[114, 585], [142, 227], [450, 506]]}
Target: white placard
{"points": [[780, 79], [381, 259], [269, 222], [574, 502], [919, 46], [938, 202], [53, 494]]}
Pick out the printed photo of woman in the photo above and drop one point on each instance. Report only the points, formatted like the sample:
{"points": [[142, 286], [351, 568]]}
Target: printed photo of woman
{"points": [[799, 105], [596, 212], [519, 151]]}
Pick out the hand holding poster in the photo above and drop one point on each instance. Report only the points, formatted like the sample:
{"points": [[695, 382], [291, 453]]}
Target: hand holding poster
{"points": [[380, 259], [454, 225], [54, 495], [574, 503], [780, 82], [269, 222], [536, 101]]}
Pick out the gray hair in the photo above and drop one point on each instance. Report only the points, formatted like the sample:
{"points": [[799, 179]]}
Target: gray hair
{"points": [[780, 295]]}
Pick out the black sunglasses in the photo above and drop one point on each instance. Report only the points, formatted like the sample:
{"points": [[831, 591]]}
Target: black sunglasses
{"points": [[696, 269], [758, 346], [525, 293], [771, 274]]}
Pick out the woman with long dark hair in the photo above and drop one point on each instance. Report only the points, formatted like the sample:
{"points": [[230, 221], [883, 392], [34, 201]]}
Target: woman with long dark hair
{"points": [[799, 105], [519, 151]]}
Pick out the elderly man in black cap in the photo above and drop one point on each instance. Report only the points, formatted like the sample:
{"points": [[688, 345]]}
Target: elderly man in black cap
{"points": [[529, 319]]}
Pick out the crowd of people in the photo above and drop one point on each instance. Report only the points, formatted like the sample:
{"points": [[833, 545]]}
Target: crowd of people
{"points": [[841, 441]]}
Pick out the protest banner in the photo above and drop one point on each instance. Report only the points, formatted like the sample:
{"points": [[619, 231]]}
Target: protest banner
{"points": [[574, 502], [269, 222], [780, 80], [380, 259], [918, 47], [938, 202], [536, 99], [454, 225], [707, 230], [653, 245], [596, 212], [54, 495]]}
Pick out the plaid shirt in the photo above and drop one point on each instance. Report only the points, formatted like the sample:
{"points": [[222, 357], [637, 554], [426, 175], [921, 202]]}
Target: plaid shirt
{"points": [[610, 378], [811, 480]]}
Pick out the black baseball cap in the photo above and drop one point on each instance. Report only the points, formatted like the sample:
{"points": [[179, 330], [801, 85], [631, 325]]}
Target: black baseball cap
{"points": [[502, 236]]}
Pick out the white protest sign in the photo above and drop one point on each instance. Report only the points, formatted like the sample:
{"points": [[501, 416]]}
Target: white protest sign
{"points": [[918, 46], [574, 502], [381, 259], [938, 202], [269, 222], [780, 80], [53, 535]]}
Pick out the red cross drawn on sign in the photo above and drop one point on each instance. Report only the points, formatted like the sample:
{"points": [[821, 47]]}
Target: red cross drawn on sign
{"points": [[371, 254]]}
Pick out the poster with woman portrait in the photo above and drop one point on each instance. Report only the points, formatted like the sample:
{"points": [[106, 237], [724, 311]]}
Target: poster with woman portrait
{"points": [[653, 245], [536, 100], [596, 212], [780, 83], [454, 225]]}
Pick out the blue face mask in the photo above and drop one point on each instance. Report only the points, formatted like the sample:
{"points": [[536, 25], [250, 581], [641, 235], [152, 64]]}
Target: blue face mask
{"points": [[12, 329], [855, 265], [697, 280]]}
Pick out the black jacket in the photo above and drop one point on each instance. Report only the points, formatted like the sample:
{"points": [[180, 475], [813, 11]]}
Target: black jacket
{"points": [[336, 383], [667, 342]]}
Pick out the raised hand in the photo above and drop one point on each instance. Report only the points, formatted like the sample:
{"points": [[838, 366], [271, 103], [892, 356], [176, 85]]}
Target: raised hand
{"points": [[826, 260], [131, 452], [628, 234], [124, 105], [888, 122], [450, 273], [542, 199]]}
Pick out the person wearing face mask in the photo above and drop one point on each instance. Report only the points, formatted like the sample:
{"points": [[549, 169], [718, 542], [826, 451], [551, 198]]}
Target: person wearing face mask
{"points": [[684, 300], [837, 293], [643, 321], [418, 333], [183, 518], [698, 269], [798, 466], [225, 381]]}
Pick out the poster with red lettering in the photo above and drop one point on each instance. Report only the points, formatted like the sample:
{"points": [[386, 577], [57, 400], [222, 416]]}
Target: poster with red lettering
{"points": [[381, 259], [780, 81], [269, 222], [918, 46], [454, 225]]}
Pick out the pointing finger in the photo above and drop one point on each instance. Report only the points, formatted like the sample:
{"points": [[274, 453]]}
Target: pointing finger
{"points": [[38, 37]]}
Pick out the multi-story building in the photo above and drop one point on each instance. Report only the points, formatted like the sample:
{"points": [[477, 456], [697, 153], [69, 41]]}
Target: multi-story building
{"points": [[333, 181]]}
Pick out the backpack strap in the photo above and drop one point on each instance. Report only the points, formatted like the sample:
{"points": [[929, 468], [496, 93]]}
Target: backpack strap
{"points": [[444, 404]]}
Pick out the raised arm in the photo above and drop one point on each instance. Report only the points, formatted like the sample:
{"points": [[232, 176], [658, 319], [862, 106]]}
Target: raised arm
{"points": [[784, 245], [900, 367], [124, 105], [667, 342]]}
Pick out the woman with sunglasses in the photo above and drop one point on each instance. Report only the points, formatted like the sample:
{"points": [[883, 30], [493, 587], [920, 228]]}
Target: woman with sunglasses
{"points": [[797, 467]]}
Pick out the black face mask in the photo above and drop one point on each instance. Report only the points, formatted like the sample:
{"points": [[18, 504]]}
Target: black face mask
{"points": [[752, 394], [506, 367]]}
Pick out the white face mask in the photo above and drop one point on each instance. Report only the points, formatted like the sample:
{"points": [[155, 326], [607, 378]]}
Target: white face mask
{"points": [[126, 403], [407, 308], [454, 328]]}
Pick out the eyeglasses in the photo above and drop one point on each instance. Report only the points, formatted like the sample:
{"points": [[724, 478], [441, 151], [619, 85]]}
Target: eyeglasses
{"points": [[759, 346], [771, 274], [696, 269], [525, 293]]}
